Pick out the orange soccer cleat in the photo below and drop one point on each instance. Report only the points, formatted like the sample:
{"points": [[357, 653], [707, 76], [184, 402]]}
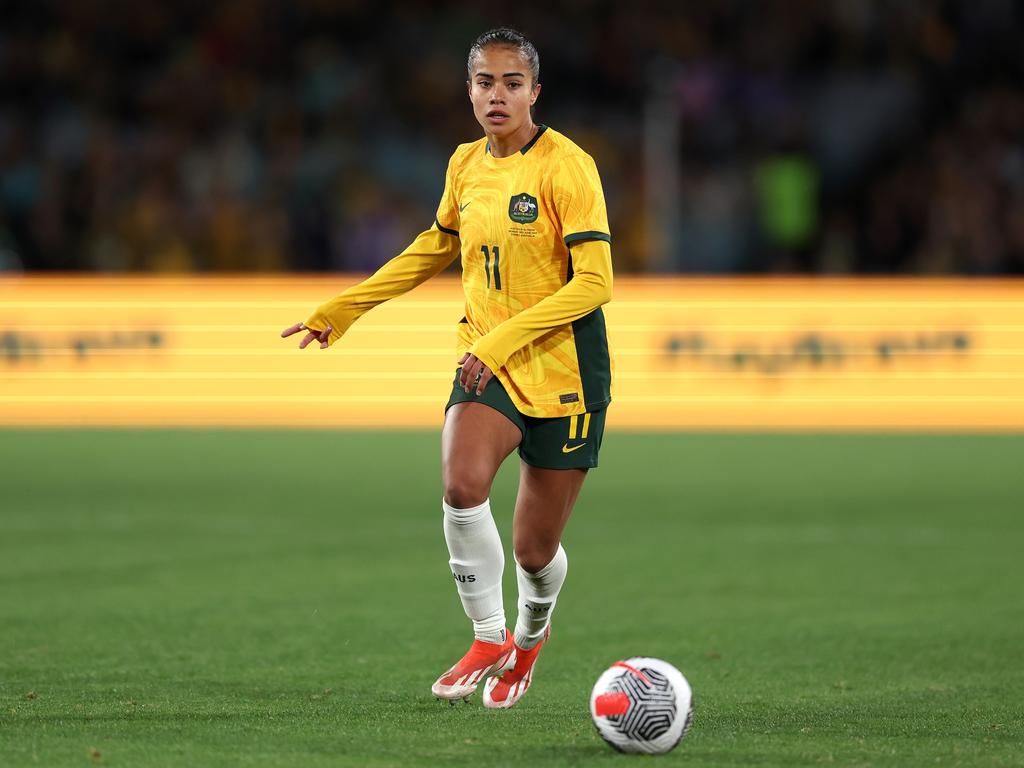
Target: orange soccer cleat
{"points": [[504, 691], [482, 659]]}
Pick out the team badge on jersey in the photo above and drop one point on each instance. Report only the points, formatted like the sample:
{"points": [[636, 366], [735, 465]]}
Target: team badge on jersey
{"points": [[522, 208]]}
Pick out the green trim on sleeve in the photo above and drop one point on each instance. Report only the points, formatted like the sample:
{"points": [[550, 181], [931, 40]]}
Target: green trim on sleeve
{"points": [[575, 237], [444, 229]]}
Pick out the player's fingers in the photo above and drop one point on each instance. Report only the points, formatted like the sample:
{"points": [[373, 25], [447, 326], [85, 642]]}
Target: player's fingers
{"points": [[292, 329], [474, 376], [485, 376], [308, 338], [470, 370], [463, 358], [325, 336], [464, 373]]}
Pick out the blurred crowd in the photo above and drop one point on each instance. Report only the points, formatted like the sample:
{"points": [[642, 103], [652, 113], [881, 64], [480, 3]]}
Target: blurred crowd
{"points": [[834, 136]]}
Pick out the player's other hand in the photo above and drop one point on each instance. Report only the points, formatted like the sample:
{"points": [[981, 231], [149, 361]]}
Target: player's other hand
{"points": [[311, 335], [474, 373]]}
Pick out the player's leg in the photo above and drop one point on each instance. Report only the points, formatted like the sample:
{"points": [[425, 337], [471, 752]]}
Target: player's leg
{"points": [[475, 440], [546, 499], [544, 504], [557, 453]]}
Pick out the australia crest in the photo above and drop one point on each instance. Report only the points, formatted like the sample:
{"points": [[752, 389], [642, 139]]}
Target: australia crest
{"points": [[522, 208]]}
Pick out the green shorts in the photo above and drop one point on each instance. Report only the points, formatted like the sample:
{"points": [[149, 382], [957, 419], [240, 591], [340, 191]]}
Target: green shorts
{"points": [[568, 442]]}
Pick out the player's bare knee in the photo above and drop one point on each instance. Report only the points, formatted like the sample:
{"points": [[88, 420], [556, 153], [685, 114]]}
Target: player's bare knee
{"points": [[534, 557], [463, 492]]}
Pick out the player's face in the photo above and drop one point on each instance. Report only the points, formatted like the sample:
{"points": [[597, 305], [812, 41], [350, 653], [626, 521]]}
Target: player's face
{"points": [[502, 91]]}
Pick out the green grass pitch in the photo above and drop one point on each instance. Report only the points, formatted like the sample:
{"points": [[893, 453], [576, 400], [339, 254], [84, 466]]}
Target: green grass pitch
{"points": [[276, 598]]}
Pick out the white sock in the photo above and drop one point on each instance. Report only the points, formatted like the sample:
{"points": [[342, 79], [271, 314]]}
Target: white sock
{"points": [[477, 562], [537, 595]]}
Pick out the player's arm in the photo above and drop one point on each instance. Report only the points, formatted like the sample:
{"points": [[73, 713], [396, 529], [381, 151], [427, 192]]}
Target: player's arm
{"points": [[589, 288], [426, 256]]}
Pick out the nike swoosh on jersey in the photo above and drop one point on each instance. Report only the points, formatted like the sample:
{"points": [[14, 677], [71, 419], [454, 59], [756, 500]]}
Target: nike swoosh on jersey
{"points": [[567, 449], [463, 207]]}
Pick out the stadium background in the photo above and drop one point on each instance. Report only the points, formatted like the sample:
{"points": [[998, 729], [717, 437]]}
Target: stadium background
{"points": [[817, 212]]}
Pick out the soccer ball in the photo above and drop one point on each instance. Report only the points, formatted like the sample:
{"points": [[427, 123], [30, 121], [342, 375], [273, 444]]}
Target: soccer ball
{"points": [[642, 705]]}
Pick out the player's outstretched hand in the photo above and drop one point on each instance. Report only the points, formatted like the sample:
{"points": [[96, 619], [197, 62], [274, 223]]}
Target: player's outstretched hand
{"points": [[474, 372], [311, 335]]}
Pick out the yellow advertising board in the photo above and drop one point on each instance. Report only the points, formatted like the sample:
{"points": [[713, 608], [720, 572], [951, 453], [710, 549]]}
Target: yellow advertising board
{"points": [[689, 353]]}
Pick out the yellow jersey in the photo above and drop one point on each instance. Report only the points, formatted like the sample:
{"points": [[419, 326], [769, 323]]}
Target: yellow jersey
{"points": [[532, 231]]}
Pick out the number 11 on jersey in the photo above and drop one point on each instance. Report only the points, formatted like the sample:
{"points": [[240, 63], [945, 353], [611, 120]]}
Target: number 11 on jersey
{"points": [[487, 266]]}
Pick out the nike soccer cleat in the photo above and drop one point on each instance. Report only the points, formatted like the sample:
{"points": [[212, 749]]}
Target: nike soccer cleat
{"points": [[504, 691], [482, 659]]}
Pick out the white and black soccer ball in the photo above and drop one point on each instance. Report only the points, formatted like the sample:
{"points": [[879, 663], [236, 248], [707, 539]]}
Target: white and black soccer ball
{"points": [[642, 705]]}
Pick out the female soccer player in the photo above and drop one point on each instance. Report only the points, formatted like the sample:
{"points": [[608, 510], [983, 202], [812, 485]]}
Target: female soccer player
{"points": [[523, 206]]}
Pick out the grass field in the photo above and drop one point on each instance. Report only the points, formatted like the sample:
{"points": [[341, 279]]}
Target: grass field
{"points": [[282, 598]]}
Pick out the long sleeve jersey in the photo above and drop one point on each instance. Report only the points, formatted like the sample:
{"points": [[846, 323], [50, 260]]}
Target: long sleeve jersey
{"points": [[532, 232]]}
